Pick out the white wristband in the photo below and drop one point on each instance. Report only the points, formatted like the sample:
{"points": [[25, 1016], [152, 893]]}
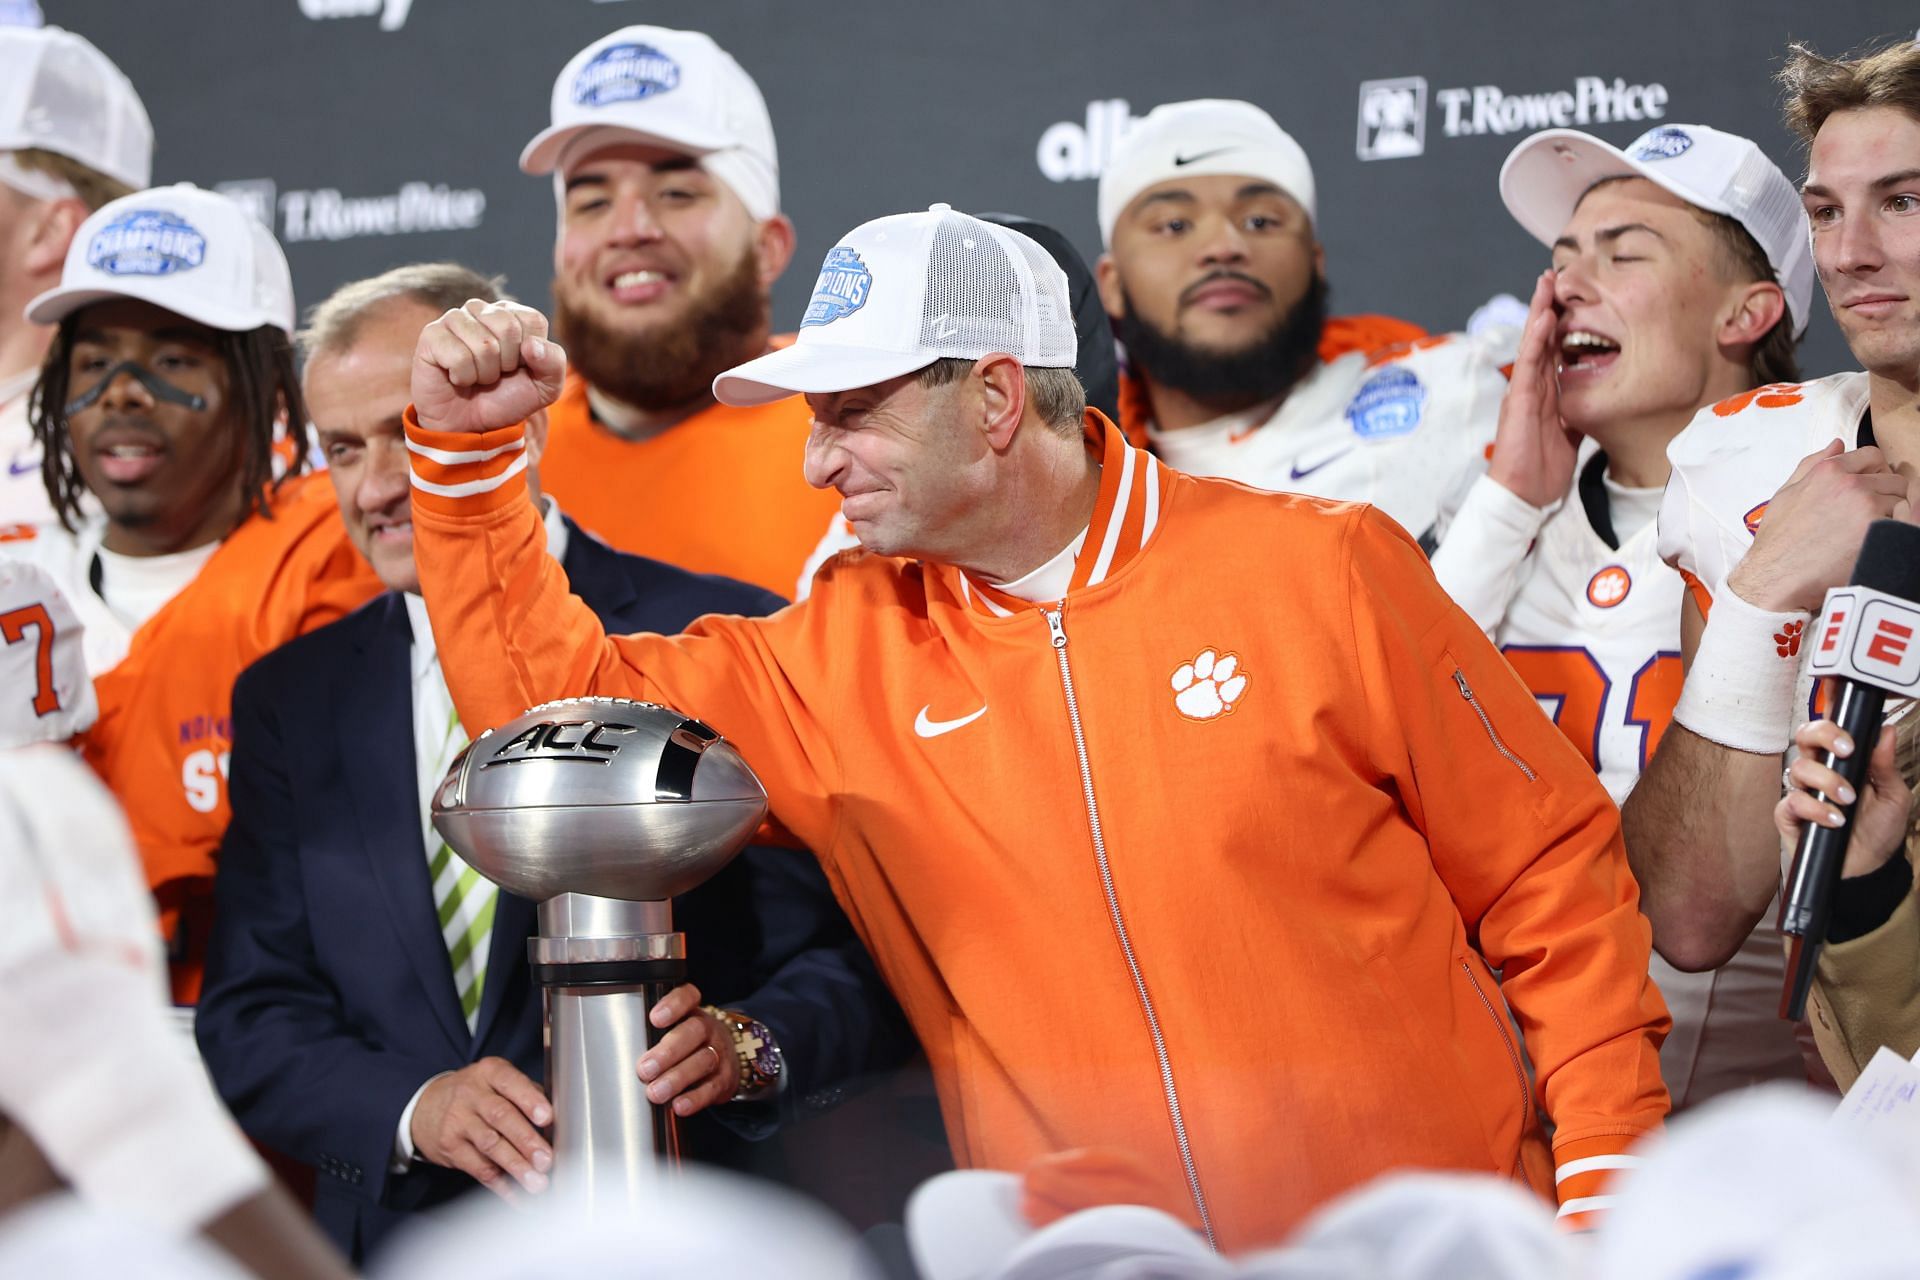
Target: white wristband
{"points": [[1740, 689]]}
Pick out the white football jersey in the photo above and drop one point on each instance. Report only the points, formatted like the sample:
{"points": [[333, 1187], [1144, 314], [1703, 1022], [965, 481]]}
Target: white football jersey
{"points": [[1406, 428], [23, 495], [1727, 465], [1733, 457], [67, 560], [1594, 631], [46, 694]]}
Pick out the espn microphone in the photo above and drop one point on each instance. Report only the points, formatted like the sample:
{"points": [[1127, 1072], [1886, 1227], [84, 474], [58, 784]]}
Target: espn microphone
{"points": [[1868, 644]]}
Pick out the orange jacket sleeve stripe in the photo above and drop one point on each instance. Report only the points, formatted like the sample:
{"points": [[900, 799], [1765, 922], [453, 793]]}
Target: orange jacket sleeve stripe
{"points": [[453, 468]]}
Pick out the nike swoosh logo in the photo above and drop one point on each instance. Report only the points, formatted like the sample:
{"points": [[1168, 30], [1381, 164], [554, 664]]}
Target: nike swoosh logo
{"points": [[1300, 473], [934, 728], [15, 469], [1181, 161]]}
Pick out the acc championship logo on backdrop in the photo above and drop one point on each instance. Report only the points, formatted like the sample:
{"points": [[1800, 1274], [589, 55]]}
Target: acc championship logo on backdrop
{"points": [[147, 242], [326, 214], [1393, 113], [625, 73], [841, 289], [1388, 404], [393, 13]]}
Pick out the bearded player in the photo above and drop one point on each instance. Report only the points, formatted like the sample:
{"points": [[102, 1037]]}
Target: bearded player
{"points": [[1215, 280], [670, 239]]}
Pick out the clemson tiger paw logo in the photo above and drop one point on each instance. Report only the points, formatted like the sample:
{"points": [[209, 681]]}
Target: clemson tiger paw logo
{"points": [[1209, 686], [1775, 395], [1786, 641]]}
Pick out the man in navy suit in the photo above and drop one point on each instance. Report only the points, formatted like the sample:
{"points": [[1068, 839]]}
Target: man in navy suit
{"points": [[367, 1006]]}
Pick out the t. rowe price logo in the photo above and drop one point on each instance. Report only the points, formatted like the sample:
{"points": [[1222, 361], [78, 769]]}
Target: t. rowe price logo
{"points": [[393, 13], [326, 214], [1393, 112], [1075, 152]]}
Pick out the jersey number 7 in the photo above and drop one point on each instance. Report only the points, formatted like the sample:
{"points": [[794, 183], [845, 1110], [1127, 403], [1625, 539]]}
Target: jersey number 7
{"points": [[13, 628]]}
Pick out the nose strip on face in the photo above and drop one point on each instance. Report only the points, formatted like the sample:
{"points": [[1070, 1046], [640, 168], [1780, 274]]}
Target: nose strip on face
{"points": [[158, 386]]}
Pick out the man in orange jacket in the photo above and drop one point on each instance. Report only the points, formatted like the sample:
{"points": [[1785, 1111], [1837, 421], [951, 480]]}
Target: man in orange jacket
{"points": [[1153, 860], [670, 239]]}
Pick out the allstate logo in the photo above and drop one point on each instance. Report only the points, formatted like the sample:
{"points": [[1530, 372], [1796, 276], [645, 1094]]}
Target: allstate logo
{"points": [[625, 73], [1388, 404], [1660, 144], [841, 290], [147, 242]]}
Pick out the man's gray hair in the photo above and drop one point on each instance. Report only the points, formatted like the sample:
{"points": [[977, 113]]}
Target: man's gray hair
{"points": [[333, 324], [1055, 394]]}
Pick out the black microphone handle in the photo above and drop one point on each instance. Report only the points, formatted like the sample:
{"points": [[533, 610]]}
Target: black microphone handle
{"points": [[1807, 903]]}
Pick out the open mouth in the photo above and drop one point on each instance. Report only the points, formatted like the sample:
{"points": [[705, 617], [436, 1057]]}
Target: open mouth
{"points": [[129, 463], [1584, 351], [638, 285]]}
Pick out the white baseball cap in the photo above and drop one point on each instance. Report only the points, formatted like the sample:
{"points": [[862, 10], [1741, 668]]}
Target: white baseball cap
{"points": [[58, 93], [197, 253], [1544, 178], [674, 89], [900, 292], [1200, 138]]}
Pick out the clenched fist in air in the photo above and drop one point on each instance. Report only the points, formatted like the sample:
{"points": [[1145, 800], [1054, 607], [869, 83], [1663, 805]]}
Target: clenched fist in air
{"points": [[485, 366]]}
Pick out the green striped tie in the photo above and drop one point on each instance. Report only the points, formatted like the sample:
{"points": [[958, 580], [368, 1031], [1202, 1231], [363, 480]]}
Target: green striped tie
{"points": [[465, 901]]}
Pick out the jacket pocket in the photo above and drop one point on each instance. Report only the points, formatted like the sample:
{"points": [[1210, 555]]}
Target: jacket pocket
{"points": [[1486, 723], [1494, 1006]]}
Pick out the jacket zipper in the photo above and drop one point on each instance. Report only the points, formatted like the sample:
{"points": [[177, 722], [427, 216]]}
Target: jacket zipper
{"points": [[1057, 626], [1460, 678], [1513, 1055]]}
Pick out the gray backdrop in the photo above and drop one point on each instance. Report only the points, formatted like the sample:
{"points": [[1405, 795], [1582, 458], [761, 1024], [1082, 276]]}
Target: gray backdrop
{"points": [[375, 132]]}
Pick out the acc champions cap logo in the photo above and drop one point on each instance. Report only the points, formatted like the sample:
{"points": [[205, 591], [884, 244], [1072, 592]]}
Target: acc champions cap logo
{"points": [[1388, 404], [624, 73], [841, 290], [1660, 144], [147, 242]]}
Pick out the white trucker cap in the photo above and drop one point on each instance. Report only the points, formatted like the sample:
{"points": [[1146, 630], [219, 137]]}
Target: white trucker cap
{"points": [[675, 89], [197, 253], [58, 93], [1544, 178], [900, 292], [1200, 138]]}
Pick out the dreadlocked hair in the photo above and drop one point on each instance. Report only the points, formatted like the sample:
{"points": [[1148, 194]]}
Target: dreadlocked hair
{"points": [[262, 386]]}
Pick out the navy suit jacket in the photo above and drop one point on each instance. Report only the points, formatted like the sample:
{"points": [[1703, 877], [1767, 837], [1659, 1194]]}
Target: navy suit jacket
{"points": [[329, 999]]}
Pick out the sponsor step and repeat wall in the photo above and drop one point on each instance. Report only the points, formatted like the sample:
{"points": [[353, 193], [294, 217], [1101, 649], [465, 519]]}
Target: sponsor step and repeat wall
{"points": [[373, 132]]}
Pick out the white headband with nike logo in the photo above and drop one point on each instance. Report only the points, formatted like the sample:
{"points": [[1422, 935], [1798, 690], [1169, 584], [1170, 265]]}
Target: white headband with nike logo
{"points": [[1207, 136]]}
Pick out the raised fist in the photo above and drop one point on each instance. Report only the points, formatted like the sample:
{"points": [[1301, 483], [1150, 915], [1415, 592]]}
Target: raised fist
{"points": [[484, 366]]}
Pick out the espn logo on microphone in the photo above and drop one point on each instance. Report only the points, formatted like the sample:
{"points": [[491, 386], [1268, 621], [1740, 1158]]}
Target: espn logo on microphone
{"points": [[1868, 636]]}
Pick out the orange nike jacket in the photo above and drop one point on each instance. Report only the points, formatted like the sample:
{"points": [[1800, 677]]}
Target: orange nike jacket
{"points": [[1239, 917]]}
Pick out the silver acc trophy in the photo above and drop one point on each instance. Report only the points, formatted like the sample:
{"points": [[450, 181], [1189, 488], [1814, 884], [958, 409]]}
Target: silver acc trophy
{"points": [[601, 810]]}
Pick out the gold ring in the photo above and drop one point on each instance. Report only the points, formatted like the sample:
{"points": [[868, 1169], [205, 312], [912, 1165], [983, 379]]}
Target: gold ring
{"points": [[716, 1055]]}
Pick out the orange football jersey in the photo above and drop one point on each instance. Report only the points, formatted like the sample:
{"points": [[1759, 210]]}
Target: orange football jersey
{"points": [[164, 733], [721, 492]]}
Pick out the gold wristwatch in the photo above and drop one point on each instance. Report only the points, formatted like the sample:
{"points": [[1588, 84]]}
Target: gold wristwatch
{"points": [[761, 1063]]}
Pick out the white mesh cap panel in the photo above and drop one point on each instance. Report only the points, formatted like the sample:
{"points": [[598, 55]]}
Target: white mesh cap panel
{"points": [[992, 289], [899, 292]]}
